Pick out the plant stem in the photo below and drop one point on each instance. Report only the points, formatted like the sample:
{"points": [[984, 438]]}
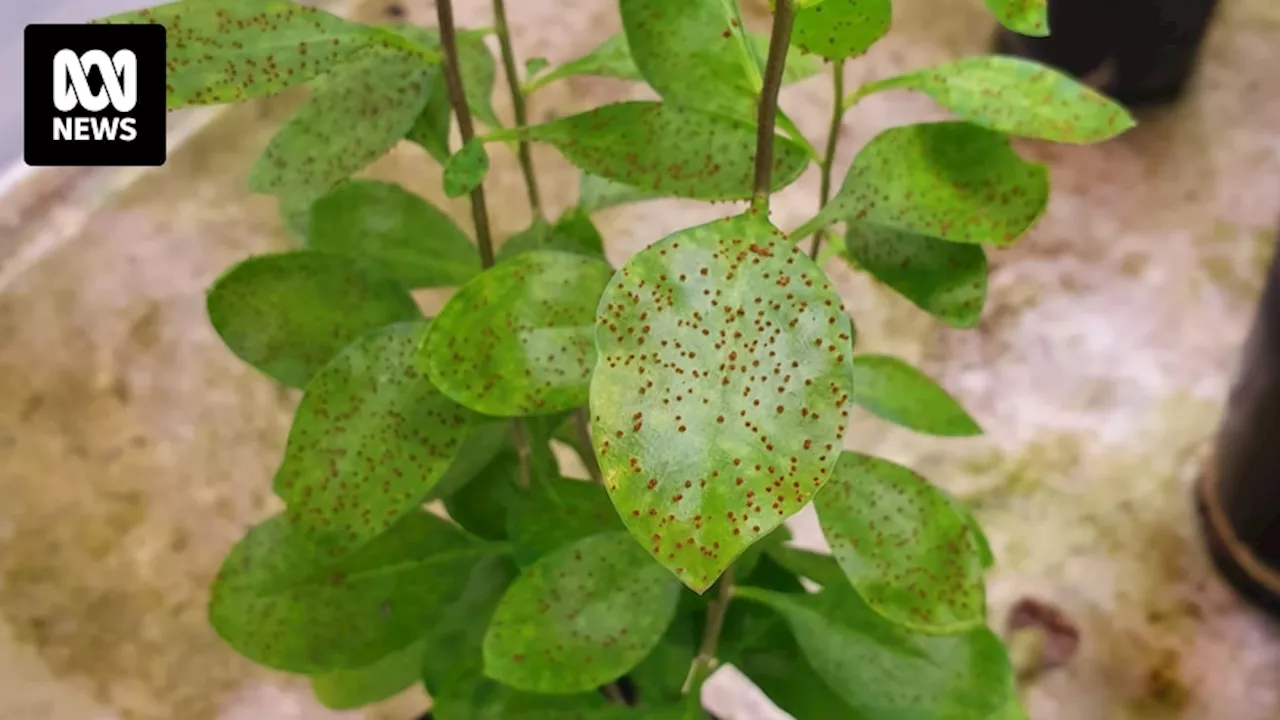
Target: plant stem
{"points": [[779, 41], [828, 158], [457, 98], [520, 438], [705, 663], [614, 695], [517, 102], [587, 449]]}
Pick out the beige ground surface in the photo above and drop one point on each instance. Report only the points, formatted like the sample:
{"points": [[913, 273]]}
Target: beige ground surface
{"points": [[134, 449]]}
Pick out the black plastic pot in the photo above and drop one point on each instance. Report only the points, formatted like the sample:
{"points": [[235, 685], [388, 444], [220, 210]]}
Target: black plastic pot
{"points": [[1140, 52], [1238, 494]]}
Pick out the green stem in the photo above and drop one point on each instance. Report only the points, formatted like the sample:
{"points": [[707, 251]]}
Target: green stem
{"points": [[705, 663], [779, 42], [828, 158], [458, 98], [586, 448], [524, 453], [518, 103]]}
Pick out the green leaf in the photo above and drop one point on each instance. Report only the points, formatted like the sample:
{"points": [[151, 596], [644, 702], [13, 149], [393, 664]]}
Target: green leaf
{"points": [[475, 64], [759, 644], [221, 52], [903, 545], [612, 58], [351, 689], [453, 657], [948, 180], [687, 153], [694, 53], [573, 232], [1017, 96], [721, 392], [288, 314], [481, 506], [408, 236], [380, 91], [841, 29], [945, 279], [559, 512], [1025, 17], [881, 670], [580, 617], [284, 603], [660, 677], [488, 700], [750, 557], [817, 567], [517, 339], [535, 65], [465, 169], [431, 128], [369, 440], [480, 448], [891, 389], [596, 193], [479, 74]]}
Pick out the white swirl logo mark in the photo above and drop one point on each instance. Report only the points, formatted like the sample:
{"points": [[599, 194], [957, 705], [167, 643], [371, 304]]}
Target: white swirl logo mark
{"points": [[71, 80]]}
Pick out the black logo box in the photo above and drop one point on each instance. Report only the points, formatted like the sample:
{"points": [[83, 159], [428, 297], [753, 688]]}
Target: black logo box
{"points": [[40, 115]]}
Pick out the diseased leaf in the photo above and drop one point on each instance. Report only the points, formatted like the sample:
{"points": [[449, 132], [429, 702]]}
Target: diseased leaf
{"points": [[721, 392], [288, 314], [559, 512], [841, 29], [465, 169], [573, 232], [580, 617], [221, 52], [369, 440], [406, 235], [481, 506], [1017, 96], [596, 193], [945, 279], [881, 670], [903, 545], [750, 557], [380, 92], [694, 53], [891, 389], [949, 180], [351, 689], [1025, 17], [612, 58], [284, 603], [668, 149], [517, 339]]}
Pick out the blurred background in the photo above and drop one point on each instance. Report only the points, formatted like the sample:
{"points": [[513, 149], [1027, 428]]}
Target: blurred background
{"points": [[135, 449]]}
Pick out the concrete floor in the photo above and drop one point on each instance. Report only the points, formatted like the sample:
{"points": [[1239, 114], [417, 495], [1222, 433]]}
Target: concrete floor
{"points": [[134, 449]]}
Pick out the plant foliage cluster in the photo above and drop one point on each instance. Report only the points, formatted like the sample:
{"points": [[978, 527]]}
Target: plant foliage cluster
{"points": [[707, 382]]}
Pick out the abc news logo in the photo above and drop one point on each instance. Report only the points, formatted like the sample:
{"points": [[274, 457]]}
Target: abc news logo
{"points": [[94, 95]]}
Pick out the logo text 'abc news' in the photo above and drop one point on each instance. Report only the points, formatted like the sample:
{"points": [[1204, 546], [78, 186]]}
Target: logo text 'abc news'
{"points": [[94, 95]]}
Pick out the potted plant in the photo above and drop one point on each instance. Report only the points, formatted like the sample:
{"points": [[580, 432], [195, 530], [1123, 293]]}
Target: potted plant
{"points": [[1236, 493], [1141, 52], [706, 383]]}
